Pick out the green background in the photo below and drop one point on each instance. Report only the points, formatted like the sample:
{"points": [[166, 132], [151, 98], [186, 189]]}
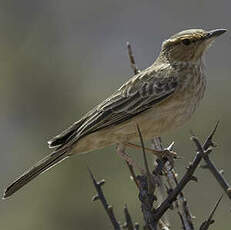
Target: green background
{"points": [[60, 58]]}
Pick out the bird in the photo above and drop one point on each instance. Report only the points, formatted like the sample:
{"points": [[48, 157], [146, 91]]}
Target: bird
{"points": [[158, 99]]}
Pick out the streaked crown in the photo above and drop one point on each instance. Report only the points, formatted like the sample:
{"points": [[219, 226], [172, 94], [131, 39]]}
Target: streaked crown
{"points": [[188, 45]]}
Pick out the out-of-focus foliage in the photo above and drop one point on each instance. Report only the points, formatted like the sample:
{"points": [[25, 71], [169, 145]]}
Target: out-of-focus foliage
{"points": [[60, 58]]}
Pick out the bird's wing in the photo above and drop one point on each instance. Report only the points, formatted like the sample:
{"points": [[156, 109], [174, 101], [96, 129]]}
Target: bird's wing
{"points": [[140, 93]]}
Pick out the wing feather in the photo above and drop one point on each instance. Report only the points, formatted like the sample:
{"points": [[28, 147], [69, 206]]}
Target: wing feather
{"points": [[141, 93]]}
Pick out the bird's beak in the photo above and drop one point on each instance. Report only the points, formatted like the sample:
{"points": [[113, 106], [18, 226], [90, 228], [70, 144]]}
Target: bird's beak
{"points": [[214, 33]]}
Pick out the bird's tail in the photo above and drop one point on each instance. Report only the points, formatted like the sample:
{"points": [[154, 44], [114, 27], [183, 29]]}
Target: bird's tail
{"points": [[40, 167]]}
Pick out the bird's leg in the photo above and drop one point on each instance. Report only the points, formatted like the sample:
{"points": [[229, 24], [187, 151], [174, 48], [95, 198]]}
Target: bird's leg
{"points": [[120, 149], [159, 153]]}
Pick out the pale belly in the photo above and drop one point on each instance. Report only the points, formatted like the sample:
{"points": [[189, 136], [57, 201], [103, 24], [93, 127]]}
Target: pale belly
{"points": [[168, 115]]}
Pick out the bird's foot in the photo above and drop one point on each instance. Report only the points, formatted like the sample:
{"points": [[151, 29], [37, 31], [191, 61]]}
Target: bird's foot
{"points": [[169, 154], [120, 149], [159, 153]]}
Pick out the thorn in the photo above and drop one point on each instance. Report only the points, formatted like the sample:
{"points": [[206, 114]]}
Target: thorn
{"points": [[209, 141], [205, 225], [222, 171], [95, 197], [101, 183], [200, 149], [92, 177], [212, 221], [110, 208], [216, 206], [195, 179], [189, 165], [229, 191]]}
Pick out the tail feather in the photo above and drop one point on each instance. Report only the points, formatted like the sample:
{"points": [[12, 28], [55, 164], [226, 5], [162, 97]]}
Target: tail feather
{"points": [[40, 167]]}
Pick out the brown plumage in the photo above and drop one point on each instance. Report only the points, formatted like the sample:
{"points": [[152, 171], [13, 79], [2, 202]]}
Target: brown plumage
{"points": [[158, 99]]}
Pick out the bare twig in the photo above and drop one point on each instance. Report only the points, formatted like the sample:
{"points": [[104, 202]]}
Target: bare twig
{"points": [[130, 167], [182, 220], [182, 207], [205, 225], [132, 59], [211, 166], [100, 196], [184, 211], [146, 188], [186, 214], [149, 176], [218, 175], [160, 164], [135, 70], [143, 183], [128, 224], [147, 200]]}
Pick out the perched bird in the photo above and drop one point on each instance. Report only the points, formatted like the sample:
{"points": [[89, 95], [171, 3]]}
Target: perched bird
{"points": [[158, 99]]}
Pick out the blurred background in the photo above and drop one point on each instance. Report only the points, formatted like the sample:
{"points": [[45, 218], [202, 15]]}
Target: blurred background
{"points": [[60, 58]]}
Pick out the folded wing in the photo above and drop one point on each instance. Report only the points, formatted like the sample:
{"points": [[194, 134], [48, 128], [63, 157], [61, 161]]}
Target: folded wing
{"points": [[140, 93]]}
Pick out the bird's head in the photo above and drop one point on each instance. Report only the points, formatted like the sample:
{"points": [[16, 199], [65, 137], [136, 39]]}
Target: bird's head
{"points": [[188, 45]]}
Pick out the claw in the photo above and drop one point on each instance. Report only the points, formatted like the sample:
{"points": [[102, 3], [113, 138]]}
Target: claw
{"points": [[166, 153]]}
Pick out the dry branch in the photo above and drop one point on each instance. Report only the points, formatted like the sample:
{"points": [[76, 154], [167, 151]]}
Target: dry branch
{"points": [[100, 196], [164, 170]]}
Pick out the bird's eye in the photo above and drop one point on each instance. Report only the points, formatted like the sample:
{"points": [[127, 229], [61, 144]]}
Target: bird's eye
{"points": [[186, 41]]}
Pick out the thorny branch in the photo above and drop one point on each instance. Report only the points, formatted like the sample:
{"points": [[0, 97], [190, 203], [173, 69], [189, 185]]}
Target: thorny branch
{"points": [[183, 182], [100, 196], [183, 208], [147, 197], [211, 166], [108, 208], [164, 168]]}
